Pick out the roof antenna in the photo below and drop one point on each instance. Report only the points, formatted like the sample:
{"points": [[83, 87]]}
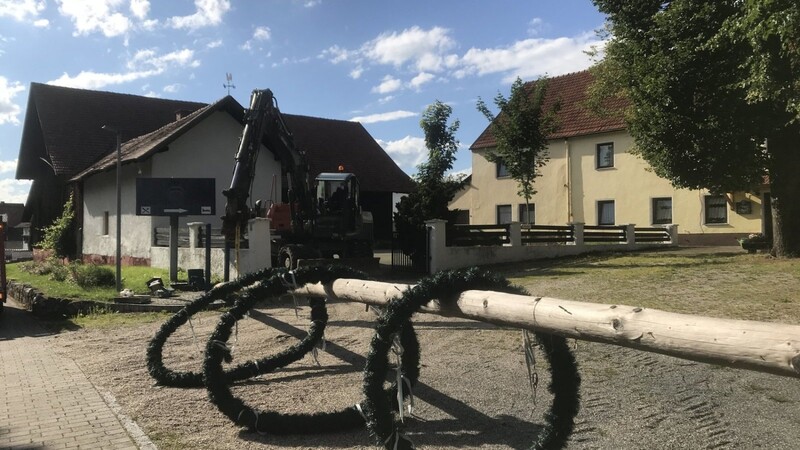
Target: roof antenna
{"points": [[229, 84]]}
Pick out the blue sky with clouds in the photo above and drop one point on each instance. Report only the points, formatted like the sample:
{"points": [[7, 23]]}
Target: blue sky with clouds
{"points": [[377, 62]]}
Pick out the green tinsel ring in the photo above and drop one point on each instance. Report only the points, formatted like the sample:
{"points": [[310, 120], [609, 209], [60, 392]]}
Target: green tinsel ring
{"points": [[446, 286], [155, 361], [278, 423]]}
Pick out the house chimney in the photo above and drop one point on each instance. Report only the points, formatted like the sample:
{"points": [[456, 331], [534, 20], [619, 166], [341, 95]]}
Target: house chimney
{"points": [[181, 113]]}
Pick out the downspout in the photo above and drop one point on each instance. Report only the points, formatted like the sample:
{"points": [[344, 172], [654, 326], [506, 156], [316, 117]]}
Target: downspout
{"points": [[569, 182]]}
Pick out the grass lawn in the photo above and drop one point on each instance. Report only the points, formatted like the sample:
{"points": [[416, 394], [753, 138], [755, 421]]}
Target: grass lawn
{"points": [[133, 278], [734, 285]]}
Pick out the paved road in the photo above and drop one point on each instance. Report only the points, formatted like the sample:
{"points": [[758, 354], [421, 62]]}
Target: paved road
{"points": [[46, 401]]}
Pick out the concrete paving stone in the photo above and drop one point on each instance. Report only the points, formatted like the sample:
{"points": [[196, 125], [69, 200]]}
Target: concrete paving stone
{"points": [[46, 401]]}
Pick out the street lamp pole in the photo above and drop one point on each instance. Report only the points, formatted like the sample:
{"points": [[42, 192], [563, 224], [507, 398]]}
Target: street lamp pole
{"points": [[119, 208]]}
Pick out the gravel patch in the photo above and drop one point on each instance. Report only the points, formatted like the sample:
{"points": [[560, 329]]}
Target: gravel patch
{"points": [[473, 390]]}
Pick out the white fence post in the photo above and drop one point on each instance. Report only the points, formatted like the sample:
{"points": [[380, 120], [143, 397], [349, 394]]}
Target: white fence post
{"points": [[672, 229], [630, 233], [194, 233], [577, 233], [437, 247], [515, 234], [259, 252]]}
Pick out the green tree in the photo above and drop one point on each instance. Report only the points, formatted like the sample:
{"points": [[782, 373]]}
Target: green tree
{"points": [[434, 189], [520, 130], [58, 237], [713, 90]]}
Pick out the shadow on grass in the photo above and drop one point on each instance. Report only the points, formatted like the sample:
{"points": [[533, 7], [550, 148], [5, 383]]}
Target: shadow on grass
{"points": [[579, 265]]}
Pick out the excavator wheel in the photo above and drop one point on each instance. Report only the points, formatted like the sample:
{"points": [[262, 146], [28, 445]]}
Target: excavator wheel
{"points": [[287, 257]]}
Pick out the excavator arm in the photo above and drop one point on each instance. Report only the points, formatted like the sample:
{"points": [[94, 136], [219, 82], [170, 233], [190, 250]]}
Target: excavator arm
{"points": [[264, 123]]}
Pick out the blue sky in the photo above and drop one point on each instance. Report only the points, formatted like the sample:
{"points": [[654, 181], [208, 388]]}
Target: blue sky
{"points": [[377, 62]]}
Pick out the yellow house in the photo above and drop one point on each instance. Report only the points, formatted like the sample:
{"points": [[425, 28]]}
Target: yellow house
{"points": [[593, 178]]}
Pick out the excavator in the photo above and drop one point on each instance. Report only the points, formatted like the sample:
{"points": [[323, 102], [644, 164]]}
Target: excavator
{"points": [[322, 219]]}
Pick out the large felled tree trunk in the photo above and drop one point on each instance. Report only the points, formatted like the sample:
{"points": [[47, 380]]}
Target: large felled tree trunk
{"points": [[784, 172]]}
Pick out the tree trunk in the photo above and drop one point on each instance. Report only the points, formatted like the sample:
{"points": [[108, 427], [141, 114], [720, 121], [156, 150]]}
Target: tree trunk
{"points": [[744, 344], [784, 174]]}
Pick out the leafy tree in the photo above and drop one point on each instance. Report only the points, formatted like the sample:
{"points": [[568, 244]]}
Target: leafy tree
{"points": [[714, 95], [59, 236], [434, 189], [520, 130]]}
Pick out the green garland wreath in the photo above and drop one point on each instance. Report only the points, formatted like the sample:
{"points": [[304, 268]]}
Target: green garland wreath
{"points": [[155, 361], [217, 380], [446, 286]]}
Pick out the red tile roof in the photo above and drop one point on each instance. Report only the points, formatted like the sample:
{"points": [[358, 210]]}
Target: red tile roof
{"points": [[574, 118], [329, 143]]}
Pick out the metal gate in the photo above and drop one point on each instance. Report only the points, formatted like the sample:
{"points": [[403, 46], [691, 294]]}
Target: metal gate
{"points": [[401, 262]]}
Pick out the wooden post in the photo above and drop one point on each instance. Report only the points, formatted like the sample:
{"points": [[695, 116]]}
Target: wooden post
{"points": [[760, 346]]}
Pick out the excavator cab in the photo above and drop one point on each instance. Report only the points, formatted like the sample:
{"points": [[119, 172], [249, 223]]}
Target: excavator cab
{"points": [[338, 203]]}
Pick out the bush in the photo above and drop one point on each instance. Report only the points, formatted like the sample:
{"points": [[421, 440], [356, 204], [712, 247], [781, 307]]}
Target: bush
{"points": [[84, 275], [88, 276]]}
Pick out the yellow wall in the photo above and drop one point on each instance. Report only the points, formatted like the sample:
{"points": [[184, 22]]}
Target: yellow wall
{"points": [[629, 183]]}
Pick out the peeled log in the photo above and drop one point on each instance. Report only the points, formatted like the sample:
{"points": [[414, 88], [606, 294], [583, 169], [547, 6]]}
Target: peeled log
{"points": [[744, 344]]}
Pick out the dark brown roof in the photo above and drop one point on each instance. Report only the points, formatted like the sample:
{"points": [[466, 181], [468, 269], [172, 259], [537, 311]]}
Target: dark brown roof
{"points": [[14, 211], [142, 147], [574, 118], [329, 143], [64, 126]]}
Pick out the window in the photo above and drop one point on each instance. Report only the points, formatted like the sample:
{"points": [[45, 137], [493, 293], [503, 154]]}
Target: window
{"points": [[527, 216], [716, 209], [605, 155], [662, 210], [502, 169], [503, 214], [605, 212], [105, 223]]}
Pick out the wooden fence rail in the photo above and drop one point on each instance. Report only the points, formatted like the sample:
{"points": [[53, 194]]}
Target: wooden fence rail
{"points": [[760, 346]]}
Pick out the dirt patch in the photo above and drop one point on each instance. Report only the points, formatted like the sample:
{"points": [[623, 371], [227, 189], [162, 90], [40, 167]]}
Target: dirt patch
{"points": [[473, 391]]}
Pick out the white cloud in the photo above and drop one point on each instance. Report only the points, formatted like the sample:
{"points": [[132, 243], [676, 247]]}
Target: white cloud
{"points": [[537, 26], [428, 53], [9, 111], [356, 73], [386, 99], [11, 190], [149, 59], [311, 3], [172, 88], [530, 58], [214, 44], [21, 10], [336, 54], [209, 13], [407, 152], [8, 166], [41, 23], [140, 8], [259, 35], [384, 117], [419, 80], [88, 79], [91, 16], [423, 49], [262, 34], [388, 84], [144, 64]]}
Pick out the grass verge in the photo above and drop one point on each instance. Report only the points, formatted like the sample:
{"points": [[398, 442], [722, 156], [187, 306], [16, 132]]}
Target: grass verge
{"points": [[133, 278], [733, 285]]}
